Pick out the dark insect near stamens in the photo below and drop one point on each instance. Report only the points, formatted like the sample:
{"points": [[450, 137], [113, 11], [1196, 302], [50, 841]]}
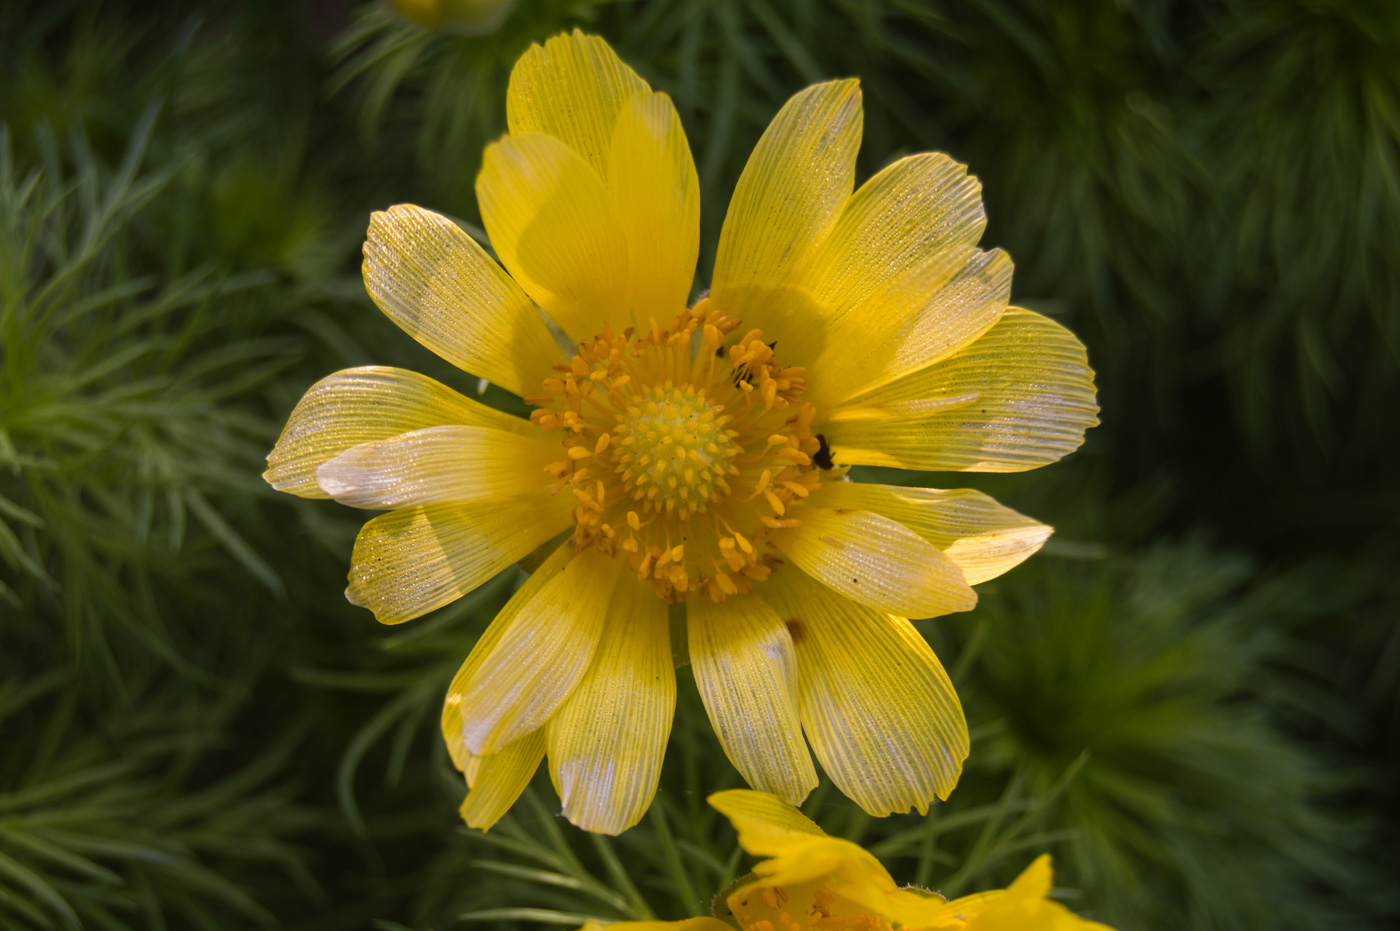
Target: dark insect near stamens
{"points": [[822, 458], [739, 374], [742, 373]]}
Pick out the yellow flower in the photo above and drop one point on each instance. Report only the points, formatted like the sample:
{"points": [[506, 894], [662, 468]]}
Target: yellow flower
{"points": [[695, 455], [466, 17], [812, 881]]}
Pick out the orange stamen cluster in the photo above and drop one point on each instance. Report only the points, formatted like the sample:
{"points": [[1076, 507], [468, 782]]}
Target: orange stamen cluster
{"points": [[685, 450], [820, 918]]}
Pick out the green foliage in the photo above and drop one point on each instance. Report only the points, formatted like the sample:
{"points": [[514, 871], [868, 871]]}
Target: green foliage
{"points": [[200, 732], [1173, 674], [1326, 89], [112, 429], [108, 826]]}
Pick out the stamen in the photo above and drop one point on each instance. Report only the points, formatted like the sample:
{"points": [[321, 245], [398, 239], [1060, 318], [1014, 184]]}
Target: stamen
{"points": [[657, 438]]}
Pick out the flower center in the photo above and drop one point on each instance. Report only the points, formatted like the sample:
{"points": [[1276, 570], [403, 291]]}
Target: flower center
{"points": [[685, 449], [677, 451]]}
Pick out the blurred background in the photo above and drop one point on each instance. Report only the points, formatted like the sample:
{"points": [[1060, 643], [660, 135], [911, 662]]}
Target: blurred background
{"points": [[1191, 697]]}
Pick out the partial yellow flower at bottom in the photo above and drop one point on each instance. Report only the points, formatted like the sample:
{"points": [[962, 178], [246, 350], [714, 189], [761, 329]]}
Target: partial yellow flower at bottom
{"points": [[812, 881]]}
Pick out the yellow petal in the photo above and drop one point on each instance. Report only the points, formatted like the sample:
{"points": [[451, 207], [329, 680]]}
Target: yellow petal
{"points": [[442, 288], [554, 227], [652, 183], [788, 198], [452, 705], [1019, 397], [901, 278], [912, 322], [1035, 880], [437, 464], [919, 207], [800, 870], [499, 780], [800, 854], [766, 825], [849, 875], [542, 655], [982, 537], [746, 672], [415, 560], [1020, 906], [572, 88], [607, 740], [876, 562], [879, 710], [364, 404]]}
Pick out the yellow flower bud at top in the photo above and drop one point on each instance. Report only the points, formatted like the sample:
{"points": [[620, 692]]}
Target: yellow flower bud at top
{"points": [[465, 17]]}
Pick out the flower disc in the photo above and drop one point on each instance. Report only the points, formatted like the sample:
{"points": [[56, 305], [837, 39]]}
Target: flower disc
{"points": [[685, 450]]}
